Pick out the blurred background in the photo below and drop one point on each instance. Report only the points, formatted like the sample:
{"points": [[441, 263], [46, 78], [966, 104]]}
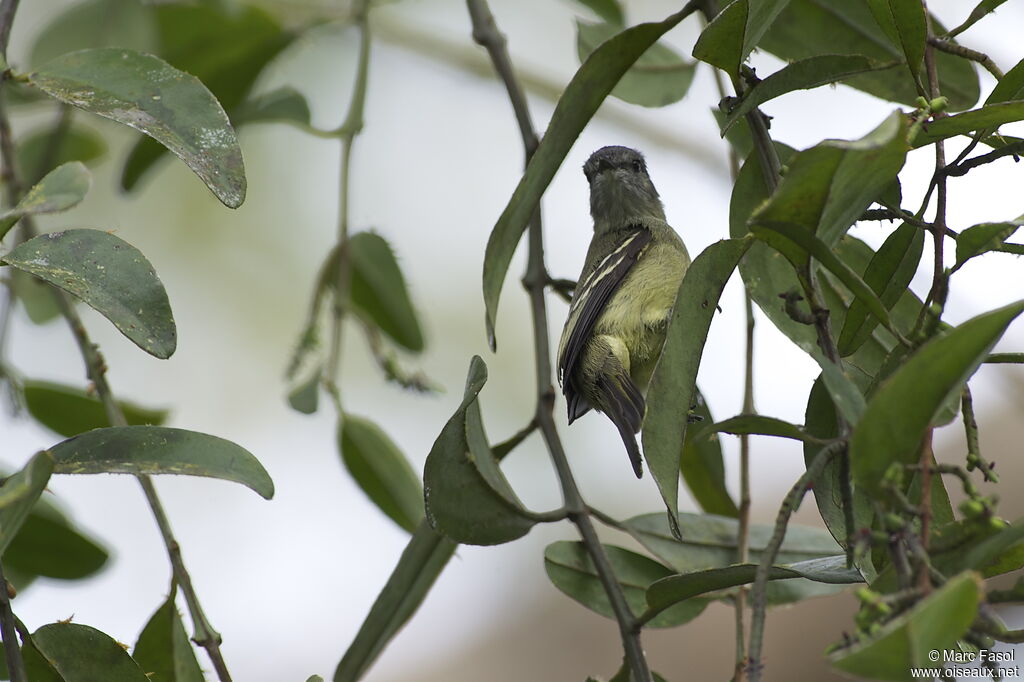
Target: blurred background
{"points": [[288, 582]]}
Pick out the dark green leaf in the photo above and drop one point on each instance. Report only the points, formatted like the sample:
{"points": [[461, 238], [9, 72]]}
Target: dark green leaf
{"points": [[379, 292], [754, 424], [226, 48], [803, 75], [907, 403], [672, 387], [467, 497], [934, 624], [609, 10], [148, 94], [659, 77], [39, 151], [985, 118], [845, 395], [96, 23], [570, 569], [625, 674], [904, 23], [19, 493], [110, 275], [738, 135], [1010, 87], [164, 651], [282, 104], [702, 467], [47, 545], [62, 188], [826, 188], [982, 238], [381, 470], [979, 12], [160, 450], [79, 653], [584, 94], [735, 31], [888, 274], [981, 556], [419, 566], [677, 588], [808, 28], [304, 397], [70, 411]]}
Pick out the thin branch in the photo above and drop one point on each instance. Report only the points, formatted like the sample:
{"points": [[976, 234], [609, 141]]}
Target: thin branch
{"points": [[1014, 149], [967, 53], [8, 8], [15, 664], [974, 458], [486, 33]]}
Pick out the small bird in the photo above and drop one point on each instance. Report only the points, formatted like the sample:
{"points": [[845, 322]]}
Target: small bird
{"points": [[623, 299]]}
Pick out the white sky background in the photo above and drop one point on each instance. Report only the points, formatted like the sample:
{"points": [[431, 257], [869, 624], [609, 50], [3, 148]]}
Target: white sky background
{"points": [[288, 582]]}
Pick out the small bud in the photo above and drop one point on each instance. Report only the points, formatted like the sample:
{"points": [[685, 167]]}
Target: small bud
{"points": [[938, 104], [921, 103]]}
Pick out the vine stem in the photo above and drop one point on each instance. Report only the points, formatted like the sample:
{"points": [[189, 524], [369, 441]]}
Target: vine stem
{"points": [[486, 33], [205, 635]]}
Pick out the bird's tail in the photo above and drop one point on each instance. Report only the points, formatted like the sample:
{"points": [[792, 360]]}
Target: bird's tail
{"points": [[624, 405]]}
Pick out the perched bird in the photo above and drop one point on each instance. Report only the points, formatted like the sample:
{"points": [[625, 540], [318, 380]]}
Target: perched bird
{"points": [[623, 298]]}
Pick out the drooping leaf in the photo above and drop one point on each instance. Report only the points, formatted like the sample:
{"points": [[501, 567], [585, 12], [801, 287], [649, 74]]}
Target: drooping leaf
{"points": [[805, 74], [79, 653], [571, 570], [304, 397], [163, 649], [904, 22], [581, 99], [979, 239], [846, 397], [754, 424], [467, 497], [146, 93], [48, 545], [980, 11], [702, 467], [70, 411], [39, 152], [110, 275], [36, 296], [672, 388], [160, 450], [283, 104], [19, 493], [95, 23], [62, 188], [809, 28], [933, 624], [659, 77], [735, 31], [888, 274], [984, 118], [906, 404], [609, 10], [381, 470], [379, 292]]}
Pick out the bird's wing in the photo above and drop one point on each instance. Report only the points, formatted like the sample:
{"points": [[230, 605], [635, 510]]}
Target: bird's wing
{"points": [[588, 302]]}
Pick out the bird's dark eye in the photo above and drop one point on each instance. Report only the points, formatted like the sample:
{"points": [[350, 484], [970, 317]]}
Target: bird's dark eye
{"points": [[637, 166]]}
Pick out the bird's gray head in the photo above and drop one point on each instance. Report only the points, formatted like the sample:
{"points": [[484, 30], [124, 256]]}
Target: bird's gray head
{"points": [[621, 192]]}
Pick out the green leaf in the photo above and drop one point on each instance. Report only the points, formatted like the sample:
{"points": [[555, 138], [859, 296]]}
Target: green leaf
{"points": [[577, 105], [846, 397], [36, 296], [419, 566], [160, 450], [79, 653], [226, 48], [62, 188], [659, 77], [904, 22], [678, 588], [39, 151], [809, 28], [979, 239], [467, 496], [702, 467], [110, 275], [48, 546], [735, 31], [381, 470], [148, 94], [933, 624], [804, 74], [907, 403], [625, 674], [738, 136], [70, 411], [570, 570], [754, 424], [888, 274], [304, 397], [19, 493], [985, 118], [609, 10], [283, 104], [164, 651], [827, 187], [96, 23], [379, 292], [1010, 87], [672, 388], [980, 11]]}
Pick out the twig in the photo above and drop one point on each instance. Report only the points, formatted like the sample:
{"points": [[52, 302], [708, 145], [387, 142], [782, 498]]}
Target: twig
{"points": [[789, 505], [966, 53], [1014, 149], [485, 32], [1005, 358], [15, 664], [974, 458]]}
